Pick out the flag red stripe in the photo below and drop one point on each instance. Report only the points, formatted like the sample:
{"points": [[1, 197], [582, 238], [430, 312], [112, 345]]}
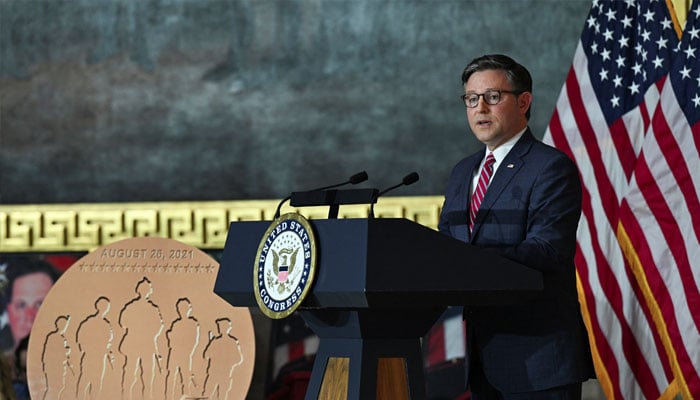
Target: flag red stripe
{"points": [[644, 112], [558, 136], [436, 345], [295, 349], [609, 200], [623, 145]]}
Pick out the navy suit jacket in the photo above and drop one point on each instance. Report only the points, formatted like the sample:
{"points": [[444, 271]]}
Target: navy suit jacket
{"points": [[529, 214]]}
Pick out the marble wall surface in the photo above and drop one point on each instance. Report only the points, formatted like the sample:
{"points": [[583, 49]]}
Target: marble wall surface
{"points": [[169, 100]]}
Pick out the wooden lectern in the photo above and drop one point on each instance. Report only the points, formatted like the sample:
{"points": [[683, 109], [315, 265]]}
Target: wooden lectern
{"points": [[380, 285]]}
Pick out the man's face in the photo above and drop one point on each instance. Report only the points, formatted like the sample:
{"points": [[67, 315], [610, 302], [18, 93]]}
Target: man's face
{"points": [[28, 292], [495, 124]]}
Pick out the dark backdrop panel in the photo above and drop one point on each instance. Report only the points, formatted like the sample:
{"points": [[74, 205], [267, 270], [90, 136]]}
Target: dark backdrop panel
{"points": [[165, 100]]}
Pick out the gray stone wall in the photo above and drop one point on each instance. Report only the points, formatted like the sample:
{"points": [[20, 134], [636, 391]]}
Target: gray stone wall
{"points": [[166, 100]]}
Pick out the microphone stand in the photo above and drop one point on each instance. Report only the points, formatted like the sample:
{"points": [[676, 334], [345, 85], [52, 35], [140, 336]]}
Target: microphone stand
{"points": [[355, 179], [407, 180]]}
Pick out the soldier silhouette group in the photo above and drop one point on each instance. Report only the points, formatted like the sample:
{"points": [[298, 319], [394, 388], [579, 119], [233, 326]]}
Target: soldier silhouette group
{"points": [[140, 356]]}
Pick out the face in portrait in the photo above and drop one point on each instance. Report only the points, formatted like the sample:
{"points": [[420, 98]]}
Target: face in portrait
{"points": [[28, 281]]}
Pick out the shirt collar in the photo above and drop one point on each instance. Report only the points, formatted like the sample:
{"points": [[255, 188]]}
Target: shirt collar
{"points": [[502, 151]]}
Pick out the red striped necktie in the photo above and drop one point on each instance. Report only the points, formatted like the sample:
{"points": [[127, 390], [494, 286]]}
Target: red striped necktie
{"points": [[478, 196]]}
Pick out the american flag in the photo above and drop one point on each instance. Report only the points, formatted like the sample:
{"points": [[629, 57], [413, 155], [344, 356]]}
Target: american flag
{"points": [[445, 340], [444, 354], [627, 115]]}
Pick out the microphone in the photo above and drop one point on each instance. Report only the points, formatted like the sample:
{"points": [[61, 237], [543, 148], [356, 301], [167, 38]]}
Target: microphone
{"points": [[407, 180], [355, 179]]}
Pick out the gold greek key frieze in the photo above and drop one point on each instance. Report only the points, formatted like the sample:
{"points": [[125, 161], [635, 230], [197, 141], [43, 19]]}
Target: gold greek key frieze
{"points": [[86, 226]]}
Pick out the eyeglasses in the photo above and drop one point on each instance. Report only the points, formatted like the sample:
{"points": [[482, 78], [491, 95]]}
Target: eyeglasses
{"points": [[491, 97]]}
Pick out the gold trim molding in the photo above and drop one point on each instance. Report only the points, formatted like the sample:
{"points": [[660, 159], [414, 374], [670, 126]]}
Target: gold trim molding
{"points": [[86, 226]]}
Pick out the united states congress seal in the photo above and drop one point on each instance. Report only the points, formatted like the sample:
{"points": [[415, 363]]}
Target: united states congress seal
{"points": [[285, 265]]}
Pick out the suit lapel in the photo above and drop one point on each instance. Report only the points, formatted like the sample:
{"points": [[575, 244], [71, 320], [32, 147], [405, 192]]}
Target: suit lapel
{"points": [[508, 168]]}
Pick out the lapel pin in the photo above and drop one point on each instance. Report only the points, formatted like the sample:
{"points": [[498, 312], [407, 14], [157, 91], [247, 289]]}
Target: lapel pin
{"points": [[510, 166]]}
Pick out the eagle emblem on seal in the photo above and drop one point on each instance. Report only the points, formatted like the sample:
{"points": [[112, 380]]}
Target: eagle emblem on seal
{"points": [[283, 265]]}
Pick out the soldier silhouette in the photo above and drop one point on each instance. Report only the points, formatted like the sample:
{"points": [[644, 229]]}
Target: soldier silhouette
{"points": [[223, 354], [56, 362], [183, 340], [143, 326], [96, 340]]}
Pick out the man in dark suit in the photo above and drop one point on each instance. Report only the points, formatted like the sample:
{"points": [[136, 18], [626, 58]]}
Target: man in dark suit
{"points": [[522, 199]]}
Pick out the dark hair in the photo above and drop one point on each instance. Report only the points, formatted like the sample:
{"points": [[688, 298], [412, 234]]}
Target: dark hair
{"points": [[518, 76], [19, 266]]}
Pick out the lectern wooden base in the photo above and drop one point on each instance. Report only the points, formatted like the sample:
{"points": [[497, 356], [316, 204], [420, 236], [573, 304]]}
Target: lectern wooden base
{"points": [[363, 356], [363, 374]]}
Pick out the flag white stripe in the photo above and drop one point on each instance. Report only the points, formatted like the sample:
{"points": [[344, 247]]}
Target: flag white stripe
{"points": [[311, 345], [454, 337]]}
